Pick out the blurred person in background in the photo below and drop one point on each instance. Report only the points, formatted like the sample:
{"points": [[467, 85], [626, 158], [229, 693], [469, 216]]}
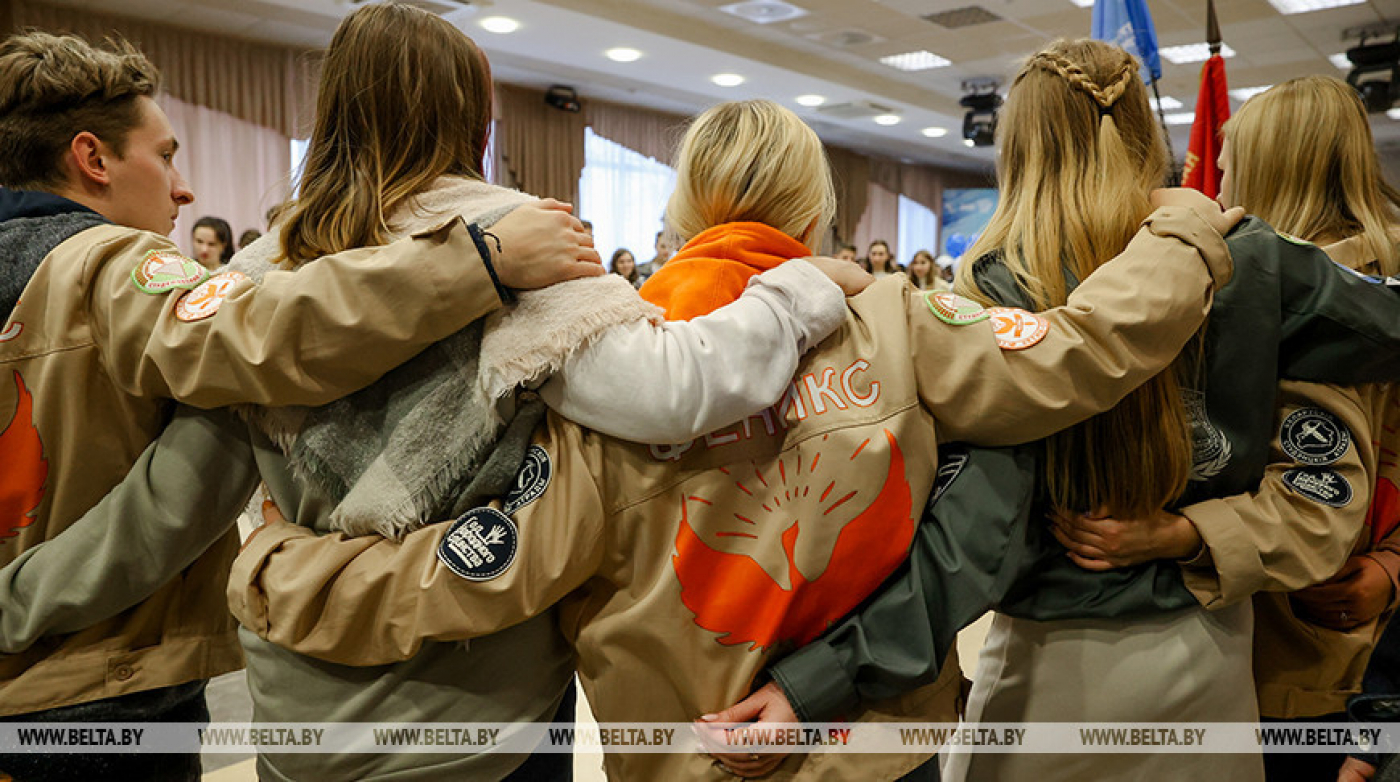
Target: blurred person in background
{"points": [[624, 265], [213, 241]]}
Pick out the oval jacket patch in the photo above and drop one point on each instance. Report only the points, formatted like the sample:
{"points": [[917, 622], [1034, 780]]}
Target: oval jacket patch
{"points": [[481, 545], [1319, 484]]}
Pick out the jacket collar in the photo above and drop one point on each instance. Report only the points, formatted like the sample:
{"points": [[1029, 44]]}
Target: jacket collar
{"points": [[32, 203]]}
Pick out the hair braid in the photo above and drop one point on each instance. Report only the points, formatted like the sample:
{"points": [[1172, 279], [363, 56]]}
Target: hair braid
{"points": [[1070, 71]]}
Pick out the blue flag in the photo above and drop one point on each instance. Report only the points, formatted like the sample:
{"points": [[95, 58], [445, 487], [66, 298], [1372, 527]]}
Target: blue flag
{"points": [[1128, 23]]}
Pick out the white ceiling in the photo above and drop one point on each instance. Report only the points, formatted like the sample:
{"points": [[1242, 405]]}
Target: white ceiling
{"points": [[684, 42]]}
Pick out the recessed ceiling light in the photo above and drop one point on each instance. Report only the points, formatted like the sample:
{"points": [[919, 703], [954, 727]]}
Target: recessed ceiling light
{"points": [[967, 142], [887, 119], [1393, 113], [935, 132], [1304, 6], [1193, 52], [1082, 3], [915, 61], [810, 101], [1168, 103], [623, 54], [727, 79], [499, 24], [1245, 93], [765, 11], [1183, 118], [1340, 60]]}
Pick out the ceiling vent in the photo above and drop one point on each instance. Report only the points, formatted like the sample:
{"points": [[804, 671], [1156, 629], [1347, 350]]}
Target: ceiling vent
{"points": [[764, 11], [845, 39], [860, 109], [963, 17]]}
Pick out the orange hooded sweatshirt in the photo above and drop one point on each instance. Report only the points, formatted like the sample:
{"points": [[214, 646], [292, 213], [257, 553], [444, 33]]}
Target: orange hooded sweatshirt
{"points": [[713, 268]]}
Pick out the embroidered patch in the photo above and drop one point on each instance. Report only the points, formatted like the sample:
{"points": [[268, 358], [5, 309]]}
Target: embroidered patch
{"points": [[1017, 329], [530, 481], [205, 300], [480, 546], [1319, 485], [1210, 448], [1314, 436], [955, 310], [162, 270], [950, 465], [11, 331]]}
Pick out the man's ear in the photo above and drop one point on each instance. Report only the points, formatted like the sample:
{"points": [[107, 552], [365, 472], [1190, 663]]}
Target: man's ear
{"points": [[88, 155]]}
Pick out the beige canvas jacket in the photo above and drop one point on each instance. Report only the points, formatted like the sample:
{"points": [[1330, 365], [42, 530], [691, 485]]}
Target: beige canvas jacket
{"points": [[682, 570], [89, 366], [1302, 669]]}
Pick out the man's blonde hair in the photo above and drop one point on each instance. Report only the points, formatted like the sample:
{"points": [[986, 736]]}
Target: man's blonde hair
{"points": [[751, 161], [1302, 159], [53, 87]]}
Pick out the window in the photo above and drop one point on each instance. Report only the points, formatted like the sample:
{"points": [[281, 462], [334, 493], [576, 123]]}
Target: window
{"points": [[299, 147], [918, 230], [623, 193]]}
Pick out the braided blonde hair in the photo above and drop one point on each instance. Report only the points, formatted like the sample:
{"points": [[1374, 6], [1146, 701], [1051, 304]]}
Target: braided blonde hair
{"points": [[1079, 152]]}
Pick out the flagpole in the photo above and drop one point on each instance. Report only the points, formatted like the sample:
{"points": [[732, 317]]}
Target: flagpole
{"points": [[1174, 172]]}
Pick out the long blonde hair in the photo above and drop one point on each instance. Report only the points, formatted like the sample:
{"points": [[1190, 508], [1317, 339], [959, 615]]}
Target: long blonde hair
{"points": [[405, 98], [1079, 153], [751, 161], [1319, 179]]}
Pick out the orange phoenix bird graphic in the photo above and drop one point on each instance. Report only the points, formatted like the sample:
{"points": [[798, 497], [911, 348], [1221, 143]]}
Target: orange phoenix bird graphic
{"points": [[747, 595], [22, 480]]}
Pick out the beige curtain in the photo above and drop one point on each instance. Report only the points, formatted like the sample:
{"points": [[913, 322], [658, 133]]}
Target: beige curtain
{"points": [[237, 169], [656, 134], [541, 146], [267, 85], [879, 221], [851, 172]]}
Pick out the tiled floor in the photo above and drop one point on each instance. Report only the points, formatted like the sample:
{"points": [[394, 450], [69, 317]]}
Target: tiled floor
{"points": [[228, 702]]}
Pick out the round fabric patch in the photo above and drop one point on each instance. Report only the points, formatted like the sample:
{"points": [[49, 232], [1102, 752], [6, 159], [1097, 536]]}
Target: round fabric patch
{"points": [[955, 310], [1319, 485], [205, 300], [1314, 436], [1017, 329], [163, 270], [480, 546], [530, 481]]}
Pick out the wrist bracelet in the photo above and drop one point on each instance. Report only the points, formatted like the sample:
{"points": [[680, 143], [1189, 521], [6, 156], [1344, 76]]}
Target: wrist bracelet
{"points": [[479, 239]]}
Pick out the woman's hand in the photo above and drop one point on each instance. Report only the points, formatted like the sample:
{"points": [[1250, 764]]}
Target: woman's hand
{"points": [[849, 276], [765, 706], [1354, 770], [1100, 542], [543, 243], [1222, 220], [1360, 592]]}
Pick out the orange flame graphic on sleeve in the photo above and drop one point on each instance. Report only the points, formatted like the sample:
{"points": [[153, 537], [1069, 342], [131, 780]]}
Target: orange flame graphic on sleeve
{"points": [[733, 595], [25, 470]]}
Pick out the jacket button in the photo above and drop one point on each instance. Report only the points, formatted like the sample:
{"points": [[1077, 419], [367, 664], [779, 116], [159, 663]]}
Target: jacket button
{"points": [[124, 672]]}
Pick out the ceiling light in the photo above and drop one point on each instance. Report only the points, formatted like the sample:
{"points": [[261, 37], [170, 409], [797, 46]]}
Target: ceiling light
{"points": [[764, 11], [1393, 113], [1168, 103], [1193, 52], [915, 61], [935, 132], [1304, 6], [887, 119], [727, 79], [499, 24], [810, 101], [1340, 60], [1183, 118], [1082, 3], [623, 54], [1245, 93], [967, 142]]}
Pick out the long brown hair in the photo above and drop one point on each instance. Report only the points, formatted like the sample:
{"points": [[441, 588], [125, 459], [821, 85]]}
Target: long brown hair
{"points": [[1079, 153], [405, 98], [1320, 180]]}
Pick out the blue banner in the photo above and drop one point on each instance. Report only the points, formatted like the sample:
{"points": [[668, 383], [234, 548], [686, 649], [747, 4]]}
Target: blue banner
{"points": [[1128, 23]]}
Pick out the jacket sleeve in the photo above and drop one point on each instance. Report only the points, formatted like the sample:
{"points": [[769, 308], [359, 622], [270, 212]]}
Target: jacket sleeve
{"points": [[1121, 326], [151, 526], [306, 337], [683, 379], [374, 601], [1300, 525]]}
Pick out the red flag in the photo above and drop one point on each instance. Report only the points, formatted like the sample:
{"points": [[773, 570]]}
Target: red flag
{"points": [[1212, 109]]}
